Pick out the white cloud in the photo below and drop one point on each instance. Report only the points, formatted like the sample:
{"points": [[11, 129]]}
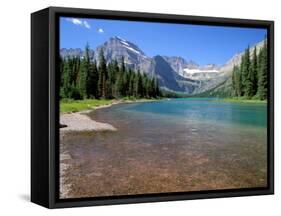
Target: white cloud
{"points": [[79, 22], [100, 30], [75, 21], [86, 24]]}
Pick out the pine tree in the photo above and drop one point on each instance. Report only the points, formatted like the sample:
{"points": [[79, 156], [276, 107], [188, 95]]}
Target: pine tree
{"points": [[233, 86], [82, 79], [102, 75], [140, 84], [158, 92], [66, 80], [120, 79], [114, 81], [68, 87], [83, 73], [125, 84], [110, 81], [250, 91], [130, 82], [119, 84], [136, 86], [245, 69], [92, 81], [123, 68], [242, 72], [145, 86], [75, 67], [153, 87], [61, 66], [253, 75], [238, 81], [262, 73], [92, 74]]}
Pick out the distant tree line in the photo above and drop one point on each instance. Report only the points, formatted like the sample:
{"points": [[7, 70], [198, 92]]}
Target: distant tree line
{"points": [[249, 79], [82, 78]]}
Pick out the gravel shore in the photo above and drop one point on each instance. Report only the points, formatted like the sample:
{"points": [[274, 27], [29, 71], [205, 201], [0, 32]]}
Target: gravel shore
{"points": [[81, 122], [78, 121]]}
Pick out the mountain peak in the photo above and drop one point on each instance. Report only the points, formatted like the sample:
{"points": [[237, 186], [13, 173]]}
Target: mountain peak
{"points": [[192, 64], [210, 67], [117, 38], [116, 42], [120, 38], [173, 72]]}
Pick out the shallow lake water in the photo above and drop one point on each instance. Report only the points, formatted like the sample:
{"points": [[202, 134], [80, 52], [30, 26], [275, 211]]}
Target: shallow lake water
{"points": [[170, 146]]}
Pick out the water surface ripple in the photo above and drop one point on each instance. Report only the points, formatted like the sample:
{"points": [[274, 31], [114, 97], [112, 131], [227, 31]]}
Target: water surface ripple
{"points": [[170, 146]]}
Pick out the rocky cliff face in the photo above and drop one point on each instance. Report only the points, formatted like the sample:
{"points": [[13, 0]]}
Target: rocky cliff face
{"points": [[77, 52], [134, 57], [174, 73]]}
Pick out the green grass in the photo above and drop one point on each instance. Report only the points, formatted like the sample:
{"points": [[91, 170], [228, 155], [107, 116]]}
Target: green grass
{"points": [[68, 105], [242, 100]]}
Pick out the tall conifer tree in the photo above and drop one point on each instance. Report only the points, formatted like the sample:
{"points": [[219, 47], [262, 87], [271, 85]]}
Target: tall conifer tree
{"points": [[262, 73], [102, 75]]}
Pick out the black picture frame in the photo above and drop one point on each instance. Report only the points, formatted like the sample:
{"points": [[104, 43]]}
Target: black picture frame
{"points": [[45, 106]]}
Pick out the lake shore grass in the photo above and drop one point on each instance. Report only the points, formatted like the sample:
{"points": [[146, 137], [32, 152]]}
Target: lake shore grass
{"points": [[73, 118], [242, 100], [69, 105]]}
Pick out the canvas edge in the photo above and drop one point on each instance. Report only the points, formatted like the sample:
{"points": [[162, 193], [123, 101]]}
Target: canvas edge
{"points": [[54, 203]]}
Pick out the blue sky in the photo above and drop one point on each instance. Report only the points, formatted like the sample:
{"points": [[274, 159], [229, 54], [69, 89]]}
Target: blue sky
{"points": [[202, 44]]}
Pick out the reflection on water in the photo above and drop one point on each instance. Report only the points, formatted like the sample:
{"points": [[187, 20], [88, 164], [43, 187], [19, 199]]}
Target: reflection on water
{"points": [[169, 146]]}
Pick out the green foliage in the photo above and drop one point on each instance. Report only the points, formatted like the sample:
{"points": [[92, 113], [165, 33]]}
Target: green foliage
{"points": [[70, 105], [249, 80], [242, 100], [262, 73], [253, 76], [84, 78], [245, 70], [237, 81], [92, 81], [102, 90]]}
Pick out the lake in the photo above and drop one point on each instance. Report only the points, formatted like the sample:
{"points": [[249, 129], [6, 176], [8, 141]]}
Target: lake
{"points": [[170, 146]]}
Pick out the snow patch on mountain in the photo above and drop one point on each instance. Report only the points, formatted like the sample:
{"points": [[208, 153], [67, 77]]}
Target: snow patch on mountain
{"points": [[201, 73], [124, 42], [122, 39], [132, 49], [197, 70], [174, 73]]}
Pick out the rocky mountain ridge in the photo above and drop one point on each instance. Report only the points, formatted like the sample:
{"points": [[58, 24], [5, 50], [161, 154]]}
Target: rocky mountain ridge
{"points": [[173, 73]]}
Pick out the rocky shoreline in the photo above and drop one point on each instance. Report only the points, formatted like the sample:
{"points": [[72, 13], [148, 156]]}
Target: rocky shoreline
{"points": [[81, 122], [75, 122], [71, 122], [78, 122]]}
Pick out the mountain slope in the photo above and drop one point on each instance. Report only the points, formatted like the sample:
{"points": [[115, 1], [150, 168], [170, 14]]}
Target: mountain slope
{"points": [[224, 88], [174, 73], [165, 74], [134, 57]]}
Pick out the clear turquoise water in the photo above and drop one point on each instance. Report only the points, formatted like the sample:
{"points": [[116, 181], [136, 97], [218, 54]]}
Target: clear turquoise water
{"points": [[171, 145], [207, 110]]}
